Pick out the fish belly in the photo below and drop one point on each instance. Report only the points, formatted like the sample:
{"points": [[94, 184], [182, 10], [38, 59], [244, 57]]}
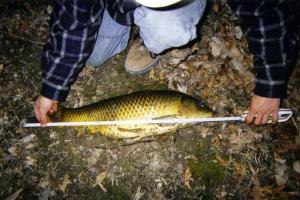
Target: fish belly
{"points": [[133, 131]]}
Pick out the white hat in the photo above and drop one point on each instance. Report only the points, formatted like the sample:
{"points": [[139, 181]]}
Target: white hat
{"points": [[157, 3]]}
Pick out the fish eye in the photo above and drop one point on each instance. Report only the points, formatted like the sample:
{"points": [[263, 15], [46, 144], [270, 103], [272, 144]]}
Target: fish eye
{"points": [[200, 104]]}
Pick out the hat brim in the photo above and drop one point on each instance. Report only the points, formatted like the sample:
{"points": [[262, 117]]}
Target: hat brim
{"points": [[157, 3]]}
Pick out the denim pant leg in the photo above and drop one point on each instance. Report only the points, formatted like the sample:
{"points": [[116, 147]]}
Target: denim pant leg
{"points": [[166, 28], [112, 39]]}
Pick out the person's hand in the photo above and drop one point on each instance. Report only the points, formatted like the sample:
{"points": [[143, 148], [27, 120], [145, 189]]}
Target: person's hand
{"points": [[261, 108], [42, 107]]}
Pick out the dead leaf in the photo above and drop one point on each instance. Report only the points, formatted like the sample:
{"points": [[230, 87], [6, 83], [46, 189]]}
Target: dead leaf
{"points": [[30, 161], [236, 53], [281, 172], [13, 150], [1, 68], [221, 161], [296, 167], [14, 195], [65, 183], [182, 88], [27, 138], [216, 46], [181, 54], [239, 140], [216, 7], [238, 32], [260, 193], [297, 141], [99, 180], [138, 194], [94, 157], [281, 180], [239, 170], [187, 177]]}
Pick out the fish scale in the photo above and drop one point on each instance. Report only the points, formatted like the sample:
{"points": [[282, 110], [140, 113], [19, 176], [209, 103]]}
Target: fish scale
{"points": [[145, 105]]}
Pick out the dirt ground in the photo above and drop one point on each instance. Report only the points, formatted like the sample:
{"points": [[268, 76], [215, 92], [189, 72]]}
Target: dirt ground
{"points": [[205, 161]]}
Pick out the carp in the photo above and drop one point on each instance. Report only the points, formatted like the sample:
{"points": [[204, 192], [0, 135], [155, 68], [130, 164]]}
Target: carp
{"points": [[143, 105]]}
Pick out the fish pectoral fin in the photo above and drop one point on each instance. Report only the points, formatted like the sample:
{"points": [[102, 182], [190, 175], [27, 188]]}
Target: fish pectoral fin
{"points": [[165, 117]]}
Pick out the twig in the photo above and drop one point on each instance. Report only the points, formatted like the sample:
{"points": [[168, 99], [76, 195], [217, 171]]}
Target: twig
{"points": [[184, 59], [22, 38], [248, 190], [297, 128]]}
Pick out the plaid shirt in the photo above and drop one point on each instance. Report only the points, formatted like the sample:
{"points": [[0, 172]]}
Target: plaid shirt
{"points": [[269, 27], [73, 31], [74, 25]]}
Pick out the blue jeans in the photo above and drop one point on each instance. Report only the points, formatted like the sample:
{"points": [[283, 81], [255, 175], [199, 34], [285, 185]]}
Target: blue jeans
{"points": [[159, 29]]}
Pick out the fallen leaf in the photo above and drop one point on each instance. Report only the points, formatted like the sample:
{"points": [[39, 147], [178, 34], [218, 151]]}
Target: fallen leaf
{"points": [[239, 140], [280, 172], [216, 46], [297, 141], [238, 32], [187, 177], [65, 183], [221, 161], [99, 180], [30, 161], [296, 167], [13, 150], [27, 138], [260, 193], [181, 54], [14, 195], [239, 170], [281, 180], [94, 157], [138, 194], [216, 7], [1, 68], [182, 88]]}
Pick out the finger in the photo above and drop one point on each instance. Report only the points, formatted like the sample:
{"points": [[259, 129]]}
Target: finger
{"points": [[275, 117], [55, 107], [265, 119], [51, 111], [258, 119], [37, 111], [250, 117]]}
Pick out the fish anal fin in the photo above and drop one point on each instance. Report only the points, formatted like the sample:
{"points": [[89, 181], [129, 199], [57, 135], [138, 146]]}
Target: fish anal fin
{"points": [[131, 130]]}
